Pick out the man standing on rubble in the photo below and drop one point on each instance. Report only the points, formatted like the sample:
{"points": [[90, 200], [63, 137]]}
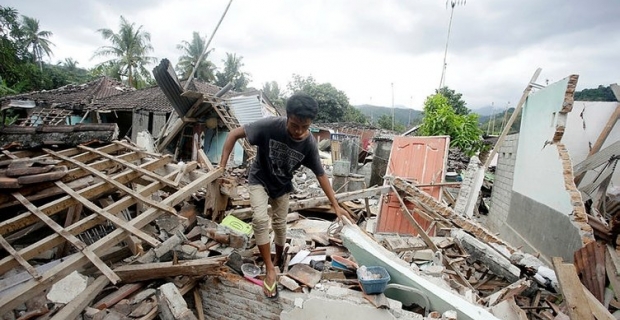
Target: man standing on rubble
{"points": [[284, 144]]}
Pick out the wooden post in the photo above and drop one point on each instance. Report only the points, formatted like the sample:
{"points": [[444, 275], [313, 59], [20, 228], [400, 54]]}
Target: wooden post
{"points": [[576, 302], [512, 119]]}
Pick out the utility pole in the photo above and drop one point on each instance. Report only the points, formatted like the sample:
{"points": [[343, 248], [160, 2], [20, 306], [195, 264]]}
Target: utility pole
{"points": [[453, 3], [392, 106]]}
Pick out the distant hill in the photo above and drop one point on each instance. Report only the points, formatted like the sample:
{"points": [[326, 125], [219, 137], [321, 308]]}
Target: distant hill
{"points": [[405, 116], [486, 111]]}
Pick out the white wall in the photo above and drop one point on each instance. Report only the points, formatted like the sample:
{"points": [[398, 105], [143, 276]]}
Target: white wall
{"points": [[538, 171], [583, 128]]}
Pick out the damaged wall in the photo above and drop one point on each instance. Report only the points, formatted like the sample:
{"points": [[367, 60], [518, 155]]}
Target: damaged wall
{"points": [[584, 125], [502, 185], [546, 213]]}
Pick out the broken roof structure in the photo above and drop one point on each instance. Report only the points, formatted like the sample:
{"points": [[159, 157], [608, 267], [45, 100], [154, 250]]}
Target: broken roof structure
{"points": [[72, 96]]}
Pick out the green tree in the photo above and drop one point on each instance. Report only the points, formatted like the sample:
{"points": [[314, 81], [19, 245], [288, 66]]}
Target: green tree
{"points": [[273, 93], [129, 49], [36, 39], [232, 73], [454, 100], [70, 64], [352, 114], [385, 122], [441, 119], [191, 52], [598, 94], [333, 103]]}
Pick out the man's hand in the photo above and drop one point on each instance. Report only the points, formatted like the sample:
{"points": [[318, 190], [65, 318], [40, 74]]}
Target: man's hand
{"points": [[343, 214]]}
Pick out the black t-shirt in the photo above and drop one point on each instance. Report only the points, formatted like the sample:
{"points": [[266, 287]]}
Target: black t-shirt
{"points": [[279, 155]]}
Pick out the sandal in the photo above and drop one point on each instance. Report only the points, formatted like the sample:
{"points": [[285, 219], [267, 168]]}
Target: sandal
{"points": [[272, 291]]}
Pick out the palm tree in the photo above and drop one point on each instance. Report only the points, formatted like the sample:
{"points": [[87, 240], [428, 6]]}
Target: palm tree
{"points": [[70, 64], [191, 52], [232, 73], [37, 39], [130, 48]]}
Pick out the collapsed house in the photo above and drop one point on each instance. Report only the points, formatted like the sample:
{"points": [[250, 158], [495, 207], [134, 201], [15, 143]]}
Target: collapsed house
{"points": [[107, 229]]}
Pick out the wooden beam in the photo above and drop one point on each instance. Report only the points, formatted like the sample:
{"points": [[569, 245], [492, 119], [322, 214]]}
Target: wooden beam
{"points": [[84, 224], [611, 123], [117, 295], [598, 309], [7, 246], [513, 117], [576, 302], [414, 223], [159, 270], [32, 288], [204, 160], [26, 219], [73, 309], [116, 184], [69, 237], [118, 222], [198, 304], [131, 166]]}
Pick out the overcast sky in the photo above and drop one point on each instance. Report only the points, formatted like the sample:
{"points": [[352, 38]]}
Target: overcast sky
{"points": [[362, 47]]}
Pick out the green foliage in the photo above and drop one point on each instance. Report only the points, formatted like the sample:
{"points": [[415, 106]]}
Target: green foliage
{"points": [[352, 114], [385, 122], [599, 94], [441, 119], [454, 100], [35, 38], [129, 50], [273, 93], [191, 52], [334, 104], [232, 73]]}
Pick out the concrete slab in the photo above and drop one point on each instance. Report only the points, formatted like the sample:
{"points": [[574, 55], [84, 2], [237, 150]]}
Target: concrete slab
{"points": [[324, 308], [68, 288], [368, 252]]}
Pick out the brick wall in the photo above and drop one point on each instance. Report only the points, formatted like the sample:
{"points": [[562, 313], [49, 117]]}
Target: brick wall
{"points": [[229, 296], [502, 185], [232, 297]]}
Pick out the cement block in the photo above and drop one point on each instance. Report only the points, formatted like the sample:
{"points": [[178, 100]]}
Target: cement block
{"points": [[172, 305], [69, 287]]}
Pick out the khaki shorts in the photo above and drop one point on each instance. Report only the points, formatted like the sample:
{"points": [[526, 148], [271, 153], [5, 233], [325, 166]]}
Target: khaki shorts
{"points": [[259, 200]]}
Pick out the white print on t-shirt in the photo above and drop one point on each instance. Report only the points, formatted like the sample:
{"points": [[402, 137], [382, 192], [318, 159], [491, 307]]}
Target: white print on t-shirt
{"points": [[283, 159]]}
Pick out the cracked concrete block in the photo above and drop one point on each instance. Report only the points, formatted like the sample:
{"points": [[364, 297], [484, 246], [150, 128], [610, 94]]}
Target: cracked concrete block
{"points": [[69, 287], [172, 305]]}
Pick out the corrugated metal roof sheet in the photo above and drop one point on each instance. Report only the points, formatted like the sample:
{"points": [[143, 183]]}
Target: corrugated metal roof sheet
{"points": [[169, 83], [248, 109]]}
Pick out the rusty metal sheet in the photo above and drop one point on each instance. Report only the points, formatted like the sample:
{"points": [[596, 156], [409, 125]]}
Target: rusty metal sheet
{"points": [[421, 160]]}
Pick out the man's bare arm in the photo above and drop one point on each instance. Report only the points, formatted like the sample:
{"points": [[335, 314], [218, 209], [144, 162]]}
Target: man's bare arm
{"points": [[232, 137]]}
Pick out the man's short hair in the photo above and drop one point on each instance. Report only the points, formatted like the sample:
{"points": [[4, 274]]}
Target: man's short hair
{"points": [[302, 106]]}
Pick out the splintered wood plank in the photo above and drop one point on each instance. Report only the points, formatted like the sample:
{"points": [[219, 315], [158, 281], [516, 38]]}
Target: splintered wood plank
{"points": [[118, 222], [32, 287], [73, 309], [414, 223], [39, 191], [84, 224], [159, 270], [7, 246], [118, 185], [132, 166], [572, 290], [612, 266], [69, 237], [590, 265], [26, 219]]}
